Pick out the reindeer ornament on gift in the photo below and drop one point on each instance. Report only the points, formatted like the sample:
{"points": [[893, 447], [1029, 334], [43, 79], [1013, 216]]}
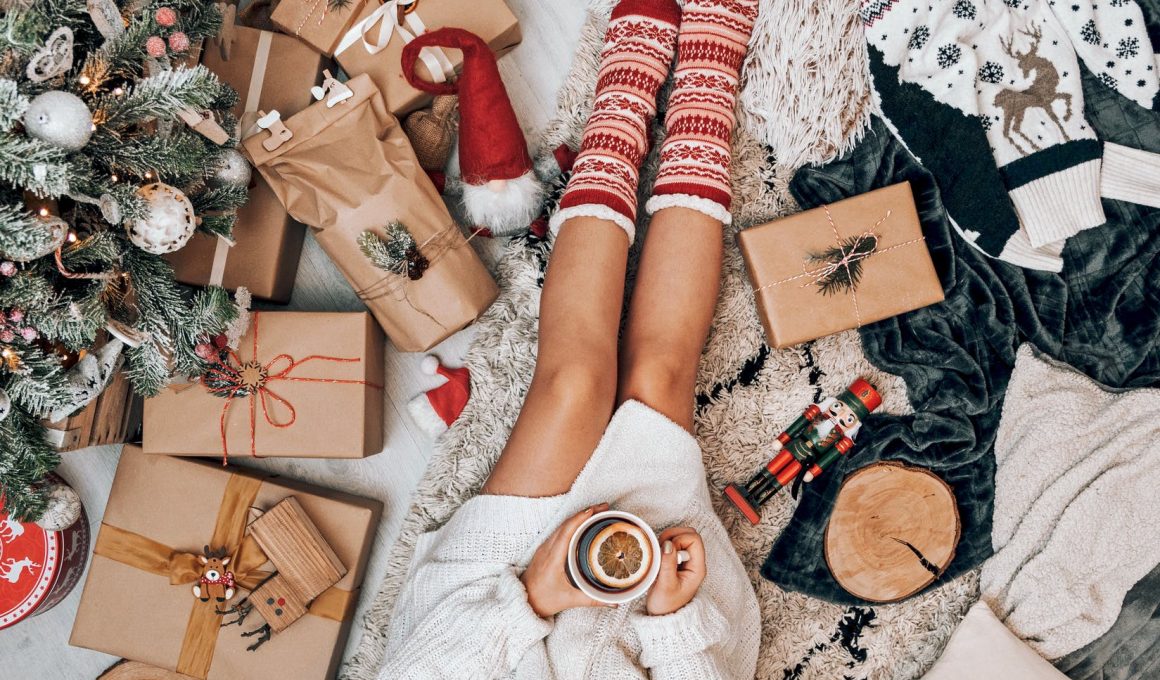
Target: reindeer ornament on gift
{"points": [[215, 582], [822, 434]]}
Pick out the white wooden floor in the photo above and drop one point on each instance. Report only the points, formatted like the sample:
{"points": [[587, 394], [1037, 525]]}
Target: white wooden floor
{"points": [[37, 648]]}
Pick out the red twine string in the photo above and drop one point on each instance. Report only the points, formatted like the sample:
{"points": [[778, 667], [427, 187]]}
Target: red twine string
{"points": [[227, 382]]}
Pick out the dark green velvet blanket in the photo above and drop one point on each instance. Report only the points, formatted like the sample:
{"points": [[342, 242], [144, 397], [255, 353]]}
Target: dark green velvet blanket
{"points": [[1101, 315]]}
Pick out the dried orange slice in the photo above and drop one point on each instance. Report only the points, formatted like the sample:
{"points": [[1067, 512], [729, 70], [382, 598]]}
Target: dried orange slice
{"points": [[620, 556]]}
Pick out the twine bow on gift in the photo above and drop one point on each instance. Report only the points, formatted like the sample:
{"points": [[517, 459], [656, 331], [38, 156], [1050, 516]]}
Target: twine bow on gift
{"points": [[390, 16], [841, 264], [231, 378]]}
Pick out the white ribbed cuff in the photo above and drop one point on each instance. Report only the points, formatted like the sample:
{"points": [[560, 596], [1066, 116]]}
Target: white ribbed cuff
{"points": [[699, 203], [597, 210], [1131, 175], [1018, 251], [1060, 205], [689, 630], [524, 625]]}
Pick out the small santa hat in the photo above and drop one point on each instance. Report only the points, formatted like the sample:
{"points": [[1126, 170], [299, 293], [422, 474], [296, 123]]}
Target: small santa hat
{"points": [[500, 188], [436, 409]]}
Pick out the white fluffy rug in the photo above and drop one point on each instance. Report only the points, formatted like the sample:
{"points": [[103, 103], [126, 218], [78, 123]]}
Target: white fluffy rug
{"points": [[805, 99]]}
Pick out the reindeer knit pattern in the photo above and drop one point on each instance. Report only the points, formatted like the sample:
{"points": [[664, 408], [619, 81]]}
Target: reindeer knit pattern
{"points": [[638, 50], [1012, 69], [699, 121]]}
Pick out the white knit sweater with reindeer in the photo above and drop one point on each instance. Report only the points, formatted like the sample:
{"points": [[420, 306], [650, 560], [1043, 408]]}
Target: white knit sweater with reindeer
{"points": [[1013, 65]]}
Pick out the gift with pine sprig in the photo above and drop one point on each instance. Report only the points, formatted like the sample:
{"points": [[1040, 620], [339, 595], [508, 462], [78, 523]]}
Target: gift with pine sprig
{"points": [[839, 266]]}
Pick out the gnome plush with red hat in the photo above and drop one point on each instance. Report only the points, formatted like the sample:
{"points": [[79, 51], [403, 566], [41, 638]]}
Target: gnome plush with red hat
{"points": [[436, 409], [500, 188]]}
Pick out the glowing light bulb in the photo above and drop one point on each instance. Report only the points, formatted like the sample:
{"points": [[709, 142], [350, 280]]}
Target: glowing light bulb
{"points": [[148, 175], [72, 237], [43, 212], [118, 91], [113, 177], [85, 80]]}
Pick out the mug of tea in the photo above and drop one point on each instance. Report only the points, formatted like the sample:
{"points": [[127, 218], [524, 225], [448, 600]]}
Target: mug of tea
{"points": [[615, 557]]}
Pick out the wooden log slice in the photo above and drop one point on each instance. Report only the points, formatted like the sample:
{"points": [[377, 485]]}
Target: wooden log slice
{"points": [[135, 670], [893, 531]]}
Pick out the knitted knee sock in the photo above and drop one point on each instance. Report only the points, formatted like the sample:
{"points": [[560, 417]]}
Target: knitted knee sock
{"points": [[638, 50], [711, 45]]}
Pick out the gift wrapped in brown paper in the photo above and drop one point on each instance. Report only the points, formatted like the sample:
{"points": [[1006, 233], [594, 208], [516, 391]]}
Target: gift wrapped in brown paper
{"points": [[300, 384], [318, 23], [138, 601], [114, 417], [840, 266], [347, 169], [270, 72], [374, 44]]}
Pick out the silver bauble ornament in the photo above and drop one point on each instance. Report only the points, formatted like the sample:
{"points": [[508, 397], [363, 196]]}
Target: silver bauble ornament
{"points": [[63, 510], [59, 118], [232, 169], [55, 234], [5, 404], [170, 221]]}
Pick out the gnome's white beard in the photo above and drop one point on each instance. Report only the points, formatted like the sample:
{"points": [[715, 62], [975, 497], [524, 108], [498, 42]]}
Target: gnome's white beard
{"points": [[507, 210]]}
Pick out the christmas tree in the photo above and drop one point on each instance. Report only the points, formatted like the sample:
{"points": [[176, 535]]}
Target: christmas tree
{"points": [[113, 150]]}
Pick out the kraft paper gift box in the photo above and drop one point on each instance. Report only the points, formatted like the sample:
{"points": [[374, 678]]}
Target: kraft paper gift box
{"points": [[374, 44], [270, 72], [798, 266], [138, 601], [350, 168], [318, 23], [300, 384]]}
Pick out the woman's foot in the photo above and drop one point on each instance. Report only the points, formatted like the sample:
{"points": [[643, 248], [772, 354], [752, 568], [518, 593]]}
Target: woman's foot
{"points": [[638, 51], [711, 45]]}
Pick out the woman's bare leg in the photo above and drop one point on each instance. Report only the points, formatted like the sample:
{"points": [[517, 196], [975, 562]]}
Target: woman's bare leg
{"points": [[672, 307], [573, 390]]}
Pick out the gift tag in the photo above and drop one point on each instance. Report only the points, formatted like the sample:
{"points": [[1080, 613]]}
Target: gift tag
{"points": [[334, 91], [279, 133]]}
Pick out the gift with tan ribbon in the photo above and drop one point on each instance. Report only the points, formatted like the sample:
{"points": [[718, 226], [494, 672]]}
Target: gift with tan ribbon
{"points": [[300, 384], [318, 23], [270, 72], [840, 266], [137, 601], [374, 43], [348, 169]]}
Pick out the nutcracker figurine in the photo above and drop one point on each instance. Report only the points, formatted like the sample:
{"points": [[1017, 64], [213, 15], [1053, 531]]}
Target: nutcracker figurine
{"points": [[823, 433]]}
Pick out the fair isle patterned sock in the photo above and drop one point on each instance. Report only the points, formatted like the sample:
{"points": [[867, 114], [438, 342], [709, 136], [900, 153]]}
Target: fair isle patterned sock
{"points": [[638, 50], [711, 45]]}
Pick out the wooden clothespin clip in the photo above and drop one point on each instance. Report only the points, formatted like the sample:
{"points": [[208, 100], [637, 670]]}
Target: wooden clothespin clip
{"points": [[279, 133], [334, 91], [225, 37], [205, 125]]}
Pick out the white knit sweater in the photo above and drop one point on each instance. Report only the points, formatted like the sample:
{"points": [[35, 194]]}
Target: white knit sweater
{"points": [[464, 613]]}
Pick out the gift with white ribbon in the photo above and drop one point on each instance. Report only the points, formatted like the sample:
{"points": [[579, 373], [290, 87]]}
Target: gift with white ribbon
{"points": [[387, 17]]}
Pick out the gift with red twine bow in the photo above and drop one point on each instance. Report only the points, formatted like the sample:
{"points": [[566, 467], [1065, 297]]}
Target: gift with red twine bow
{"points": [[312, 383], [853, 262]]}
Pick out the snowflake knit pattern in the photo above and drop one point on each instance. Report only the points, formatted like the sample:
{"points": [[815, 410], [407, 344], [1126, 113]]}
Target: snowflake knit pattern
{"points": [[699, 121], [1012, 69], [638, 51]]}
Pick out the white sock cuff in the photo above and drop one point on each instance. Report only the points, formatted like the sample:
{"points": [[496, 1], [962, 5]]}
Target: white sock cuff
{"points": [[699, 203], [1061, 204], [1131, 175], [598, 210]]}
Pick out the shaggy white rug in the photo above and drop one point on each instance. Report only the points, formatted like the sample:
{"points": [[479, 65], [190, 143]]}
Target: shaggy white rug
{"points": [[805, 99]]}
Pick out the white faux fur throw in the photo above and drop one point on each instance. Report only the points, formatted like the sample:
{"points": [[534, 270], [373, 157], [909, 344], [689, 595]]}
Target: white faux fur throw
{"points": [[815, 95], [1076, 519]]}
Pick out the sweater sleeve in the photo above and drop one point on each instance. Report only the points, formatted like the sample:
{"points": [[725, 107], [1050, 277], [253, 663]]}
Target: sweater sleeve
{"points": [[1131, 175], [684, 644], [462, 620]]}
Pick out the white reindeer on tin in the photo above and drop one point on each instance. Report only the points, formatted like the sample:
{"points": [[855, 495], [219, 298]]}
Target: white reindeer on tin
{"points": [[10, 530], [11, 569]]}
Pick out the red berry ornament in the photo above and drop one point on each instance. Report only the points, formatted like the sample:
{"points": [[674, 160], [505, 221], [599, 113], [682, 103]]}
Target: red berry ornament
{"points": [[204, 351], [165, 17], [155, 46], [7, 268], [29, 333], [179, 42]]}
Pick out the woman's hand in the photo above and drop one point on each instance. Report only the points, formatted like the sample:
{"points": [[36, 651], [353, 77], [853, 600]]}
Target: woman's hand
{"points": [[549, 590], [677, 584]]}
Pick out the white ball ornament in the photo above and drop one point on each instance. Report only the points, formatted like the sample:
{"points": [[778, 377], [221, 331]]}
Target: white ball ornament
{"points": [[64, 508], [232, 169], [170, 221], [59, 118], [5, 404]]}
